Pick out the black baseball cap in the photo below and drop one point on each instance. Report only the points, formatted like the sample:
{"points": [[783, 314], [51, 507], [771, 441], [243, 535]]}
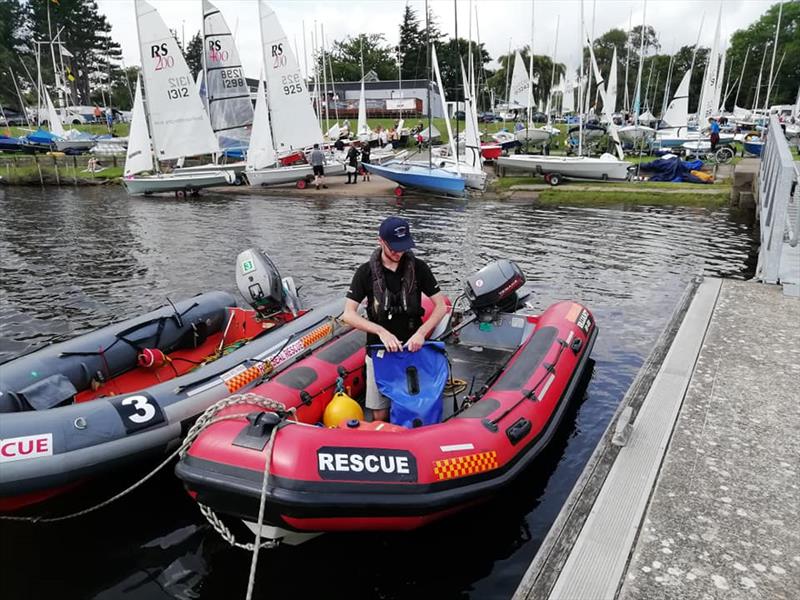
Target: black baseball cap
{"points": [[396, 232]]}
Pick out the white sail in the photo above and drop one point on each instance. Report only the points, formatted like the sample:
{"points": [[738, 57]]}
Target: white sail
{"points": [[568, 104], [707, 106], [442, 97], [611, 89], [677, 113], [139, 157], [56, 128], [718, 88], [261, 151], [294, 124], [178, 119], [520, 83], [228, 95], [363, 128], [472, 142]]}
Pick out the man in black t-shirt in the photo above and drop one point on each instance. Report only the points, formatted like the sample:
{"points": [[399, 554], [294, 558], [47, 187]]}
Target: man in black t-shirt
{"points": [[392, 281]]}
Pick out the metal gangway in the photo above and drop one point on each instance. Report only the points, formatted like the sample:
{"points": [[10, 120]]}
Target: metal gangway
{"points": [[779, 201]]}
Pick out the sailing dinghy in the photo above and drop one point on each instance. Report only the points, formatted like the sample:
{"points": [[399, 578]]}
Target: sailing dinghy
{"points": [[288, 124], [178, 122]]}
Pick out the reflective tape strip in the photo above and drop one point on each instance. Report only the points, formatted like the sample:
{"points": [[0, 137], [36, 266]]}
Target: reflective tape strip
{"points": [[462, 466]]}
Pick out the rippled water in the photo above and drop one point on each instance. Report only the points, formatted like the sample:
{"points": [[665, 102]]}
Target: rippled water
{"points": [[75, 259]]}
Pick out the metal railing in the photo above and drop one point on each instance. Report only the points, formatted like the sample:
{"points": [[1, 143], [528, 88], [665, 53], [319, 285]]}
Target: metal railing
{"points": [[778, 197]]}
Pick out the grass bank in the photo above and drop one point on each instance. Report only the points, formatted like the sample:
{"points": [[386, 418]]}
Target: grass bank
{"points": [[593, 198], [58, 170], [506, 183]]}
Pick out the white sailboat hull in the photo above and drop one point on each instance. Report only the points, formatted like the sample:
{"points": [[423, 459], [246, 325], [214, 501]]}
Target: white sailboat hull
{"points": [[533, 136], [606, 167], [290, 174], [176, 182], [237, 168], [68, 144]]}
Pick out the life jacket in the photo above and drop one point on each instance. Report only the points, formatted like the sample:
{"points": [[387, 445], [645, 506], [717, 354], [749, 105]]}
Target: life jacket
{"points": [[386, 304]]}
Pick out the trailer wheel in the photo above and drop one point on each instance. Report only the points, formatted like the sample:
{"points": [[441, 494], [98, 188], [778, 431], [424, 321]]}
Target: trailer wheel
{"points": [[239, 179], [555, 179], [301, 184], [180, 193], [547, 177], [399, 192]]}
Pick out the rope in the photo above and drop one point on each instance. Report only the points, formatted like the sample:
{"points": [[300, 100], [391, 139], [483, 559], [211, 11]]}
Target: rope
{"points": [[205, 420], [455, 386]]}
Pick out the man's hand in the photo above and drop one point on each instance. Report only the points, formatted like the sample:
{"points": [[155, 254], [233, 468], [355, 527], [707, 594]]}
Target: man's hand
{"points": [[390, 341], [415, 342]]}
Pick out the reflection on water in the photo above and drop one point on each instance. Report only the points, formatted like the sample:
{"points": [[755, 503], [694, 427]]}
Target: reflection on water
{"points": [[73, 260]]}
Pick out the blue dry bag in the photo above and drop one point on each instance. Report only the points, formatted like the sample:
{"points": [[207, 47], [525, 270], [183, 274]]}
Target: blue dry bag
{"points": [[413, 381]]}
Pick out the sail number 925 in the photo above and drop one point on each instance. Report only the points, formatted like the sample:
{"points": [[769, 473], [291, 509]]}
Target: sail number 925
{"points": [[292, 84]]}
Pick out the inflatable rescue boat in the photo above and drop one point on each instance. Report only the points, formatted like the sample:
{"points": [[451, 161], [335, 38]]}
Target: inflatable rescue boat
{"points": [[516, 371], [115, 396]]}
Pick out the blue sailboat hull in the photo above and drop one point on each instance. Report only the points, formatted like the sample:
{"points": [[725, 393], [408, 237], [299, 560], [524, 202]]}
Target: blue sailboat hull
{"points": [[437, 181]]}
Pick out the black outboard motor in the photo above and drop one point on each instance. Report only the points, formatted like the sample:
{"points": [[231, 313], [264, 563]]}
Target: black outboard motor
{"points": [[259, 281], [493, 289]]}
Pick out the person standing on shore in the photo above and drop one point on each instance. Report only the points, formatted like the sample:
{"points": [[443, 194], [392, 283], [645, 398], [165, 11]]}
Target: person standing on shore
{"points": [[317, 160], [365, 152], [392, 282], [714, 127], [352, 163]]}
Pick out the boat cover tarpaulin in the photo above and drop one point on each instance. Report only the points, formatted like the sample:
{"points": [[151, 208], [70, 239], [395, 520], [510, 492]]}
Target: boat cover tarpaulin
{"points": [[673, 169], [413, 381]]}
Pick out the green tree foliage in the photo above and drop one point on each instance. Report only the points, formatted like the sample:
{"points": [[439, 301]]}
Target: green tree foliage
{"points": [[194, 54], [450, 53], [413, 43], [345, 58], [542, 69], [759, 38], [14, 43], [85, 33]]}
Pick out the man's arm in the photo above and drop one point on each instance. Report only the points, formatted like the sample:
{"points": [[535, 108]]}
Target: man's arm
{"points": [[352, 318], [415, 342]]}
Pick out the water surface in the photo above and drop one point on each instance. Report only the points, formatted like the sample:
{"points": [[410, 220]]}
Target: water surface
{"points": [[76, 259]]}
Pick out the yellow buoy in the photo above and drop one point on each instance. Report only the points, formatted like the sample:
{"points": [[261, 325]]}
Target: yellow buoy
{"points": [[341, 408]]}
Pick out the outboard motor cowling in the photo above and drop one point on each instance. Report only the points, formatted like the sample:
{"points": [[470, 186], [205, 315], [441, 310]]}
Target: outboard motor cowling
{"points": [[259, 281], [493, 287]]}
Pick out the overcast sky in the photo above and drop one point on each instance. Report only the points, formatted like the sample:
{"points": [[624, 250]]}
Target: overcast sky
{"points": [[677, 22]]}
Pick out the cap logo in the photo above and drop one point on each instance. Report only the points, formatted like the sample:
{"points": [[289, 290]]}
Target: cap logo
{"points": [[401, 231]]}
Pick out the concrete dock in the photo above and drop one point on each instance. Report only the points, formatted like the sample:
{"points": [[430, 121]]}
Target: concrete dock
{"points": [[693, 491]]}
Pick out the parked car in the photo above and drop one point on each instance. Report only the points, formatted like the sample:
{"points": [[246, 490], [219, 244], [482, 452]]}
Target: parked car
{"points": [[12, 118], [459, 115], [489, 117], [539, 117]]}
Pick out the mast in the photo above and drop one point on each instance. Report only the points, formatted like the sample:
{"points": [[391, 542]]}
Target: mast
{"points": [[553, 70], [758, 83], [772, 62], [667, 84], [333, 88], [324, 77], [142, 87], [428, 71], [580, 88], [530, 74], [19, 96], [458, 52], [586, 106], [638, 97], [508, 73], [741, 78], [205, 60], [627, 103]]}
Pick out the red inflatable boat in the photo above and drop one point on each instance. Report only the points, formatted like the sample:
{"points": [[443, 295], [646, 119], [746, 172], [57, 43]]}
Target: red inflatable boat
{"points": [[519, 371]]}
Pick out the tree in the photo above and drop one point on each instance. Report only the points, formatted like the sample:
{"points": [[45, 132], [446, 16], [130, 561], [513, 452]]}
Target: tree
{"points": [[450, 54], [413, 48], [14, 44], [759, 38], [650, 40], [85, 34], [194, 54], [344, 58], [542, 69]]}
